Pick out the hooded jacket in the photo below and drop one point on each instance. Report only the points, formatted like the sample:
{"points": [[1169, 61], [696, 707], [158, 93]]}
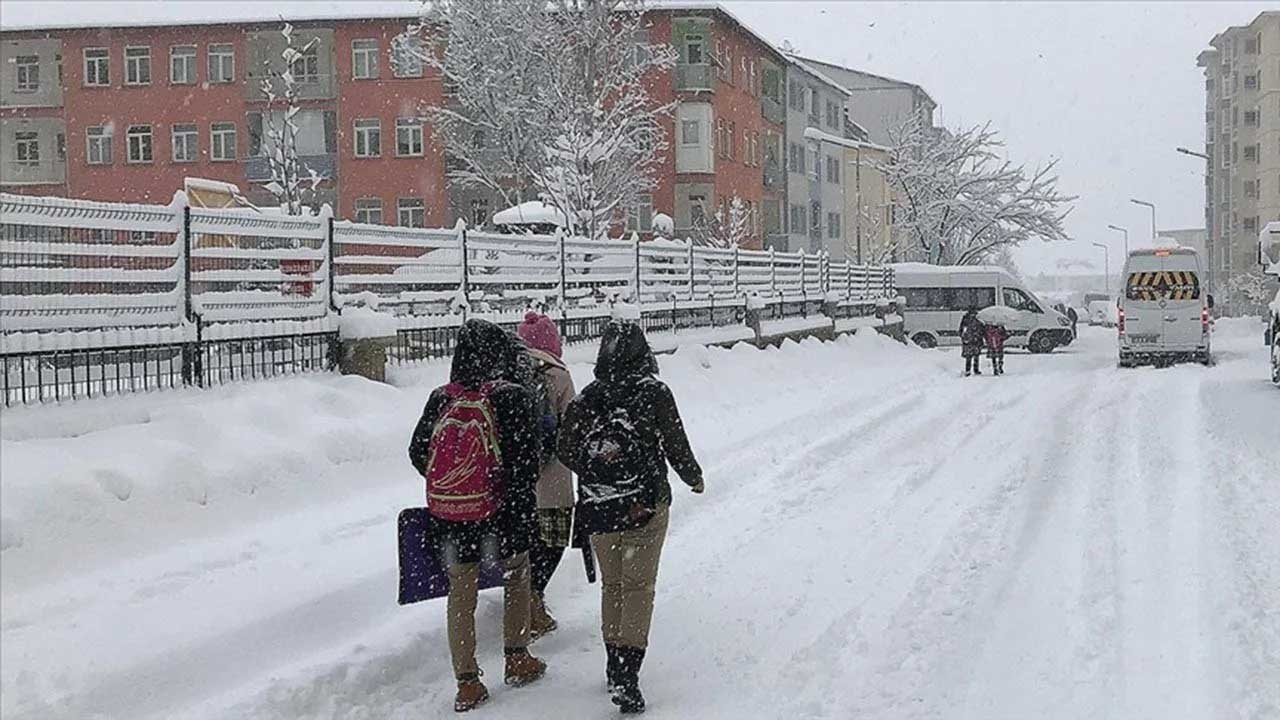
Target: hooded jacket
{"points": [[482, 355], [625, 376]]}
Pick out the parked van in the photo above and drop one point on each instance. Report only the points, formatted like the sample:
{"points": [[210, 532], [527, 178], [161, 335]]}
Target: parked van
{"points": [[1164, 312], [1269, 259], [938, 296]]}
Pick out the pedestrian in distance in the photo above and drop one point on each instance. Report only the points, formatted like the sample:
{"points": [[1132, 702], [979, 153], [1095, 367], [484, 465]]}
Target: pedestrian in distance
{"points": [[971, 340], [996, 335], [553, 391], [477, 445], [619, 436]]}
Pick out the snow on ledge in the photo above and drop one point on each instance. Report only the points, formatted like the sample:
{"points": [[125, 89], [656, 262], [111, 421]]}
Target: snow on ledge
{"points": [[359, 323]]}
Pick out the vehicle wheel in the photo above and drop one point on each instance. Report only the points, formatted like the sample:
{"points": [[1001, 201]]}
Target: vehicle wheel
{"points": [[1041, 343], [924, 340], [1206, 359]]}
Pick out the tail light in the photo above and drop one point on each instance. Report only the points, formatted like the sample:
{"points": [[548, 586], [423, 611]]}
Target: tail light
{"points": [[1204, 320], [1120, 321]]}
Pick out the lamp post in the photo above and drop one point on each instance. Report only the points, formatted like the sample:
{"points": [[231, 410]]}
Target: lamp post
{"points": [[1126, 237], [1106, 264], [1136, 201], [1208, 214]]}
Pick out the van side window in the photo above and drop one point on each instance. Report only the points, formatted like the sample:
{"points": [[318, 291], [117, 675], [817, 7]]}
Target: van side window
{"points": [[978, 298], [1018, 300]]}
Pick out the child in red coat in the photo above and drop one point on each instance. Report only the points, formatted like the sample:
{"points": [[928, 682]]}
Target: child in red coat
{"points": [[996, 336]]}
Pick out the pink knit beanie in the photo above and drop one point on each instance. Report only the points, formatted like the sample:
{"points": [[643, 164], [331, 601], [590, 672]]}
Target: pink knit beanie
{"points": [[539, 332]]}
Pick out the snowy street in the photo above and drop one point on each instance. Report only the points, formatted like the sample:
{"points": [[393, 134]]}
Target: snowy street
{"points": [[880, 538]]}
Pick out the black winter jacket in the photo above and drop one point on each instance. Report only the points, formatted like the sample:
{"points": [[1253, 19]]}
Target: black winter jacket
{"points": [[625, 370], [481, 357], [971, 330]]}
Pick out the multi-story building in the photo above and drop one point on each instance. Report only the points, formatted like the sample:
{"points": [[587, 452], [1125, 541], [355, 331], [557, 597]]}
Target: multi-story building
{"points": [[1194, 238], [1242, 140], [876, 103], [126, 113], [815, 169]]}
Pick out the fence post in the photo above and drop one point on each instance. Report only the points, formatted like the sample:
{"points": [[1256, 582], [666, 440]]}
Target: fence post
{"points": [[564, 274], [328, 238], [735, 271], [804, 284], [691, 278], [848, 272], [635, 243], [773, 274], [192, 353], [466, 270]]}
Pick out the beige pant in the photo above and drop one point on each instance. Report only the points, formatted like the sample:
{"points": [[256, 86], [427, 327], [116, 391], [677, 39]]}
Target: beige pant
{"points": [[464, 581], [628, 572]]}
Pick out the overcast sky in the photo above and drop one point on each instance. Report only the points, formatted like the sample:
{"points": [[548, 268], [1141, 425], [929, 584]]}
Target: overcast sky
{"points": [[1110, 89]]}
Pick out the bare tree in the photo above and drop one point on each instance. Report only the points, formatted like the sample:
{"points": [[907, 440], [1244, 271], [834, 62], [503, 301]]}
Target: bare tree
{"points": [[292, 182], [548, 97], [962, 203], [728, 227], [1254, 288]]}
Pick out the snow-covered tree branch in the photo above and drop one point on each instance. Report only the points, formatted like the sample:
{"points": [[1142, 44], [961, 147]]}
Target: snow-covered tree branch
{"points": [[961, 203], [292, 182], [548, 98], [728, 227]]}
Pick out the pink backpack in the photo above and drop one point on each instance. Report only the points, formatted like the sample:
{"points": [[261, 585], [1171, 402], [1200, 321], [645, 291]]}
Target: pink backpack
{"points": [[464, 466]]}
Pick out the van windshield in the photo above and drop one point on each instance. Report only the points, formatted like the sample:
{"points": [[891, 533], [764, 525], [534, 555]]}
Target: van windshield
{"points": [[1163, 285]]}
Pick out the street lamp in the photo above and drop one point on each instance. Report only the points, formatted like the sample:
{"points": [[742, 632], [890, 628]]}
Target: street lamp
{"points": [[1136, 201], [1106, 264], [1208, 214], [1126, 237]]}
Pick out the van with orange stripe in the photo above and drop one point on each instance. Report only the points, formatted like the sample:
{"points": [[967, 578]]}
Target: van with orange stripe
{"points": [[1164, 309]]}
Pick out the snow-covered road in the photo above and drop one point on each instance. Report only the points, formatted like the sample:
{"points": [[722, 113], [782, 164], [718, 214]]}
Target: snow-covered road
{"points": [[879, 539]]}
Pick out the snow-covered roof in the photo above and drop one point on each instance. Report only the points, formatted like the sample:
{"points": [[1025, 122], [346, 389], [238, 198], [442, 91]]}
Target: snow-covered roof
{"points": [[919, 268], [886, 78], [815, 72], [532, 212], [813, 133]]}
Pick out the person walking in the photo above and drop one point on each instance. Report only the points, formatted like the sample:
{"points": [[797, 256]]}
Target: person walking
{"points": [[996, 335], [971, 339], [477, 445], [553, 392], [619, 436]]}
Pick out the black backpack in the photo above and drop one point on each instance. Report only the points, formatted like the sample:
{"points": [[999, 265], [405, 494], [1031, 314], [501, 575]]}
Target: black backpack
{"points": [[548, 421], [615, 478]]}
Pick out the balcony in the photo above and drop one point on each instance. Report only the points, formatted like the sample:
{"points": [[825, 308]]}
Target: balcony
{"points": [[774, 177], [321, 86], [258, 169], [698, 78], [773, 109]]}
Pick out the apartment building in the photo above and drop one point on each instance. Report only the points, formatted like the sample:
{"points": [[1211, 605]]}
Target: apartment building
{"points": [[877, 103], [1242, 140], [815, 169], [126, 113]]}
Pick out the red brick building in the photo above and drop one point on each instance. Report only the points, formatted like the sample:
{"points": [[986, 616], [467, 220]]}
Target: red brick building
{"points": [[125, 113]]}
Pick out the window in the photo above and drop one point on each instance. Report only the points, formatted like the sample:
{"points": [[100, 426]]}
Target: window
{"points": [[1251, 82], [411, 212], [137, 66], [369, 210], [62, 147], [222, 145], [833, 115], [480, 212], [138, 139], [812, 94], [771, 84], [182, 64], [815, 220], [797, 218], [222, 63], [369, 139], [755, 149], [98, 145], [1018, 300], [26, 148], [796, 158], [814, 164], [364, 59], [97, 67], [28, 67], [833, 226], [406, 57], [833, 170], [186, 143], [408, 137], [1251, 118], [746, 147], [1250, 224], [795, 96], [698, 210], [1251, 153], [695, 48], [966, 298], [640, 215], [306, 67]]}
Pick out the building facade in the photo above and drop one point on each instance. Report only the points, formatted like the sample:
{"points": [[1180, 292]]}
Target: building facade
{"points": [[876, 103], [128, 113], [1242, 140], [815, 169]]}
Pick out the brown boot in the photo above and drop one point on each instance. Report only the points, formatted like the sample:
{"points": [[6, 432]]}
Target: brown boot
{"points": [[471, 693], [523, 668], [540, 621]]}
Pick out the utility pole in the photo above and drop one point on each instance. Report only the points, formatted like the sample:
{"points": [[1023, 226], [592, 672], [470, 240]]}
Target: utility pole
{"points": [[1126, 237], [1144, 203], [1208, 215], [1106, 264]]}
